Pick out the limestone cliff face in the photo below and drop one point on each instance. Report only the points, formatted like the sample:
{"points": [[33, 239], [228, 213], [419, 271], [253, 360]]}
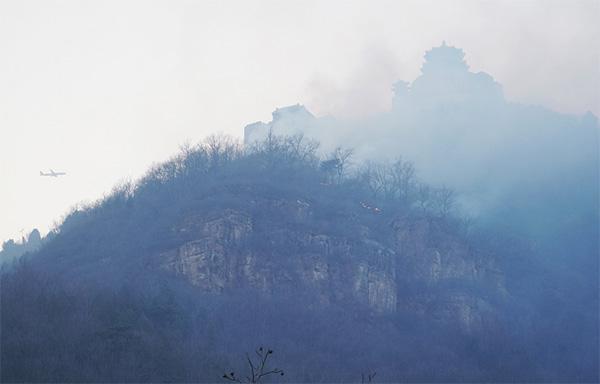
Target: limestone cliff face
{"points": [[417, 268]]}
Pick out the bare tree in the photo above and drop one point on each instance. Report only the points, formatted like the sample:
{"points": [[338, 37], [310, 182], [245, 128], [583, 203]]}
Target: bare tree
{"points": [[337, 164], [423, 198], [444, 201], [394, 181], [403, 180], [277, 151], [221, 149], [368, 378], [302, 149], [258, 368], [343, 160]]}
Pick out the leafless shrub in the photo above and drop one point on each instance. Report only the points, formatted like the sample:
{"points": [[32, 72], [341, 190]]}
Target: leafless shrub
{"points": [[258, 368]]}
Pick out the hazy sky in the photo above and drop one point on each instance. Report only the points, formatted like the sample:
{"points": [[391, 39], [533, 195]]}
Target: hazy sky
{"points": [[102, 89]]}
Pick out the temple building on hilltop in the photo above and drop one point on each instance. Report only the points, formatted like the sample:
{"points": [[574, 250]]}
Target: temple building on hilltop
{"points": [[445, 80]]}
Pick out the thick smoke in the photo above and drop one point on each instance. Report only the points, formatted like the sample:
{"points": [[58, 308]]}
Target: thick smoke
{"points": [[459, 130]]}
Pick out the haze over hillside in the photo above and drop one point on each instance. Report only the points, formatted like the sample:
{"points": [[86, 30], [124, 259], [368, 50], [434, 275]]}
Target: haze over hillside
{"points": [[227, 245], [104, 90], [433, 224], [222, 248], [458, 129]]}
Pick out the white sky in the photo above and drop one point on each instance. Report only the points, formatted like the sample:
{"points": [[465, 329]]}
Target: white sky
{"points": [[102, 89]]}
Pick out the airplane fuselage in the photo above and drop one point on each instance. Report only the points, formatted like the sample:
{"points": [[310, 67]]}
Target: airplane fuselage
{"points": [[52, 173]]}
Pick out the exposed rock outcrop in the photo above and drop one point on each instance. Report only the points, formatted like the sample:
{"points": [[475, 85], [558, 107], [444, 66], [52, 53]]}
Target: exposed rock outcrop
{"points": [[235, 250]]}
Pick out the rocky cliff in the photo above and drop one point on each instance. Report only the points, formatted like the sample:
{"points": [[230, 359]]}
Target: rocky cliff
{"points": [[403, 264]]}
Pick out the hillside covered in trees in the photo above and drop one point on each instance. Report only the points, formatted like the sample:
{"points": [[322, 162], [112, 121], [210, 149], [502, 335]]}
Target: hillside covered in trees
{"points": [[342, 266]]}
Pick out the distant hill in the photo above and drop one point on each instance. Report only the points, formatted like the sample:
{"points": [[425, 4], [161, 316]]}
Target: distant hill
{"points": [[12, 250], [340, 269], [452, 238]]}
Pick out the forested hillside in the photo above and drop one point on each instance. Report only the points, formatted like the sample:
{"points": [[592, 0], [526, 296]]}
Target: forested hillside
{"points": [[343, 267]]}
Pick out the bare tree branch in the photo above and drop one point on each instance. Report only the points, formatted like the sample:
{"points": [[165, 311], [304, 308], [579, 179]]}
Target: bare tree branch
{"points": [[258, 370]]}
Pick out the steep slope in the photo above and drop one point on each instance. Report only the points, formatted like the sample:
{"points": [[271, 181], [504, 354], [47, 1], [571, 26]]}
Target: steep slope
{"points": [[284, 245], [224, 248]]}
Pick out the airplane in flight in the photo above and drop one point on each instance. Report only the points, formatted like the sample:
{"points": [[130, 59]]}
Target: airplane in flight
{"points": [[52, 173]]}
